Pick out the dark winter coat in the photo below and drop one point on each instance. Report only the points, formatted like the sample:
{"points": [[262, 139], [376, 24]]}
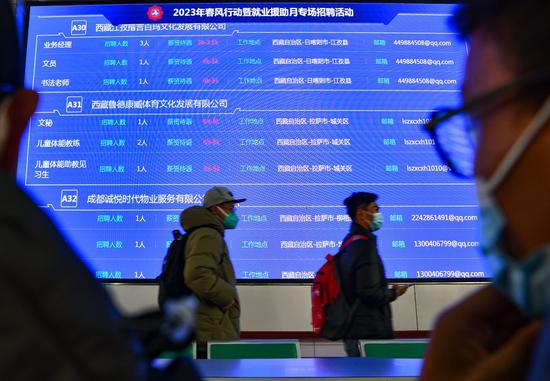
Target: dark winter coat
{"points": [[363, 279], [209, 274], [56, 321]]}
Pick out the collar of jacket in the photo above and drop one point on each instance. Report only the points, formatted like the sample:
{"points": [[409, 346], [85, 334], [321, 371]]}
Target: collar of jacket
{"points": [[357, 229]]}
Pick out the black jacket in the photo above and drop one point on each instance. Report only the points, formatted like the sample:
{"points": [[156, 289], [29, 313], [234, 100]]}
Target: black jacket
{"points": [[363, 278], [56, 321]]}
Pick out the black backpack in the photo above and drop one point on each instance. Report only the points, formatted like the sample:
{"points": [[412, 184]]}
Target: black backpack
{"points": [[171, 282]]}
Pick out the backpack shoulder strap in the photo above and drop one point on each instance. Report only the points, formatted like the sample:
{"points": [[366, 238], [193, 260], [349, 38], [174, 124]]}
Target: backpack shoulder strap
{"points": [[352, 239], [352, 306], [336, 257]]}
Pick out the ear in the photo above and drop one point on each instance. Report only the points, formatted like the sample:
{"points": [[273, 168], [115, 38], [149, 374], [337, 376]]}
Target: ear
{"points": [[360, 214], [20, 110], [214, 210]]}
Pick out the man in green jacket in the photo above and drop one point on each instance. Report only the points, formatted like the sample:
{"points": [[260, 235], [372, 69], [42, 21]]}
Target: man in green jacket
{"points": [[208, 270]]}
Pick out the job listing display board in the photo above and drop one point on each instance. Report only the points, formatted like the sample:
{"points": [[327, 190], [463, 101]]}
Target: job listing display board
{"points": [[294, 106]]}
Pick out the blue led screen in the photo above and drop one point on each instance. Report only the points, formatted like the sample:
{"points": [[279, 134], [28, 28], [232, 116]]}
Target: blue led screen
{"points": [[294, 106]]}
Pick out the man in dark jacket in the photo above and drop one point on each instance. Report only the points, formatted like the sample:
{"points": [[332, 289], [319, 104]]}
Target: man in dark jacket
{"points": [[208, 271], [363, 277], [56, 321], [497, 333]]}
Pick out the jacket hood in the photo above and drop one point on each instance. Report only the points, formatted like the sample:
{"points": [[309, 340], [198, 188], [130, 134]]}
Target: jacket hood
{"points": [[198, 216]]}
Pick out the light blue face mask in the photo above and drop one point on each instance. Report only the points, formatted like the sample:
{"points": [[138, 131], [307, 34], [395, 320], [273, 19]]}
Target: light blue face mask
{"points": [[526, 282], [377, 221]]}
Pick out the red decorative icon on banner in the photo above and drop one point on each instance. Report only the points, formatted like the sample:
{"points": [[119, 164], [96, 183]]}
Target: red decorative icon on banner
{"points": [[155, 13]]}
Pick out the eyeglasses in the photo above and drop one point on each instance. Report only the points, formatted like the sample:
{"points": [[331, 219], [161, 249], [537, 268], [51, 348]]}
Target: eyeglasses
{"points": [[455, 132]]}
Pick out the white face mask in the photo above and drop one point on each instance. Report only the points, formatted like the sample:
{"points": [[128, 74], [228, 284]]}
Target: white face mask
{"points": [[4, 124], [526, 282]]}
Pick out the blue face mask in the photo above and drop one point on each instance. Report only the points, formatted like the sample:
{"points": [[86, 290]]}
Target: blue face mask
{"points": [[377, 221], [230, 220], [526, 282]]}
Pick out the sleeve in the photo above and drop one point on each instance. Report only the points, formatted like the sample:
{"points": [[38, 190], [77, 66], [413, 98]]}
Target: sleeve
{"points": [[202, 258], [370, 284], [56, 291]]}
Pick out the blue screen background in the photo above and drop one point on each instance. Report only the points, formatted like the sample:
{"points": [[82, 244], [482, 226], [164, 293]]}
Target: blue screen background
{"points": [[138, 118]]}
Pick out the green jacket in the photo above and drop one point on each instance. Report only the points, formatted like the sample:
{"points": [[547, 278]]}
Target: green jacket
{"points": [[210, 275]]}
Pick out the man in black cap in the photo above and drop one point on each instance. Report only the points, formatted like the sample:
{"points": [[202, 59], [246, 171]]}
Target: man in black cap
{"points": [[56, 321], [363, 277], [208, 270]]}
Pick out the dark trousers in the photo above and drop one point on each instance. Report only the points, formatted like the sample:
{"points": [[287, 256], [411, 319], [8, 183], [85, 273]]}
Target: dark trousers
{"points": [[352, 347], [202, 349]]}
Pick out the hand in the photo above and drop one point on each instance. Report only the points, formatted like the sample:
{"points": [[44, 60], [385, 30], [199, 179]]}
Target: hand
{"points": [[484, 337], [230, 305], [400, 289]]}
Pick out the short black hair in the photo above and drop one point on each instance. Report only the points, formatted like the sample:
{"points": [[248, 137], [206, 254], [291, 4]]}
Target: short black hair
{"points": [[358, 199], [519, 27]]}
